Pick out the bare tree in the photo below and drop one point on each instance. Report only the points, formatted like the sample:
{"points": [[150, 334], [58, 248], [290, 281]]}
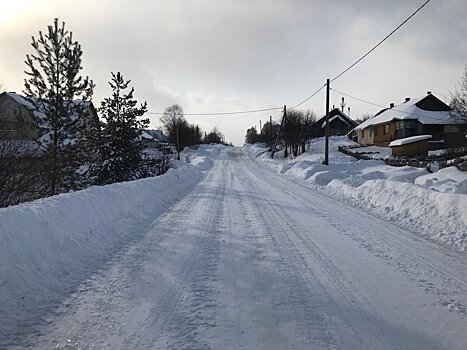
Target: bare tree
{"points": [[2, 86], [364, 117], [21, 172], [298, 128], [172, 121], [459, 100]]}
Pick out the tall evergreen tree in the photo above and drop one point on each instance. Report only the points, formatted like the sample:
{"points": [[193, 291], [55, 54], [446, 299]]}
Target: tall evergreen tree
{"points": [[60, 95], [121, 147]]}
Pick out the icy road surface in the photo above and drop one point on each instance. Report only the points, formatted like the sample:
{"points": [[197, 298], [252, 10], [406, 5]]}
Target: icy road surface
{"points": [[251, 260]]}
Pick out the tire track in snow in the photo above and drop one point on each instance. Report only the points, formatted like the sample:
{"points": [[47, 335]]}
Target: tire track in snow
{"points": [[159, 329], [309, 289], [382, 243]]}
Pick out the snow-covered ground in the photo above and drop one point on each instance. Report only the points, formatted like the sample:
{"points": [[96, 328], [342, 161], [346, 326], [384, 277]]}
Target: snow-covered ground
{"points": [[247, 258], [252, 260], [434, 205], [49, 246]]}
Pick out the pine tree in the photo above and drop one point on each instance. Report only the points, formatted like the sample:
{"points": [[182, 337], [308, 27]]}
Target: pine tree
{"points": [[60, 95], [121, 146]]}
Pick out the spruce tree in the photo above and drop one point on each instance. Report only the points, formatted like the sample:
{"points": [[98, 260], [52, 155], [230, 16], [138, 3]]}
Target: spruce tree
{"points": [[121, 146], [60, 96]]}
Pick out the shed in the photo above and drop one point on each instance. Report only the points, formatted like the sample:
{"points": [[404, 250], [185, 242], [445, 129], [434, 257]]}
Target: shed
{"points": [[410, 146]]}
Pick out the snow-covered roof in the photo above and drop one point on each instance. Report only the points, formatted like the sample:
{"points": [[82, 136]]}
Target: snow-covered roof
{"points": [[333, 118], [157, 134], [410, 110], [28, 102], [145, 135], [333, 115], [411, 139]]}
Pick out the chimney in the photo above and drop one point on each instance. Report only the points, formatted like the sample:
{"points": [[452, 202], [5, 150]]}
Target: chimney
{"points": [[391, 105], [407, 99], [428, 92], [348, 112]]}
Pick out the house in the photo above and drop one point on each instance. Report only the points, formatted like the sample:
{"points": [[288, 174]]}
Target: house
{"points": [[339, 124], [18, 117], [426, 115], [155, 140]]}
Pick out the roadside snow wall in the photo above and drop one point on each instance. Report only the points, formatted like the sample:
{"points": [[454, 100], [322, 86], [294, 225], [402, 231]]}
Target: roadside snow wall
{"points": [[435, 215], [50, 245]]}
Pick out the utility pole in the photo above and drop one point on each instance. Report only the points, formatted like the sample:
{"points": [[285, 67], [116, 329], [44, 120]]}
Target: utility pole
{"points": [[277, 137], [270, 127], [285, 125], [178, 142], [326, 145]]}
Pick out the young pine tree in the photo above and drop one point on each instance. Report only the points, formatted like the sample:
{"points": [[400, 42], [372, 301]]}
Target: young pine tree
{"points": [[121, 146], [54, 85]]}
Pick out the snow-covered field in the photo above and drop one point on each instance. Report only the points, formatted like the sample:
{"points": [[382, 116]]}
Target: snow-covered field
{"points": [[433, 205], [49, 246]]}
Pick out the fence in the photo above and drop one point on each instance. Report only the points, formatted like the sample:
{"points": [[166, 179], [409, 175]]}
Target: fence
{"points": [[158, 166], [430, 163]]}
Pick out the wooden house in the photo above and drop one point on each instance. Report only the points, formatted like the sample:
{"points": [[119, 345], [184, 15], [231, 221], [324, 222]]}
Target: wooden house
{"points": [[425, 115]]}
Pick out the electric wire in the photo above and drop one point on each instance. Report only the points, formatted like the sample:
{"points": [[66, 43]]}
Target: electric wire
{"points": [[225, 113], [380, 42], [318, 90]]}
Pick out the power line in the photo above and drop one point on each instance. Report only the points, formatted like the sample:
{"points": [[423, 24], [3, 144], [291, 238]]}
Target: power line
{"points": [[366, 54], [312, 95], [379, 43], [358, 99], [225, 113]]}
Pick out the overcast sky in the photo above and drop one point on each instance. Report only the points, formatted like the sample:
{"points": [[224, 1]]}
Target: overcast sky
{"points": [[219, 55]]}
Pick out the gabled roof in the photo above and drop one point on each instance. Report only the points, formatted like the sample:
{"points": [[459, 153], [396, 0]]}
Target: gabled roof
{"points": [[28, 103], [336, 113], [157, 134], [426, 109]]}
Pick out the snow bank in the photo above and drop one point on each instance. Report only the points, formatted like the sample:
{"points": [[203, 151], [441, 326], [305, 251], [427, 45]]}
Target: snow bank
{"points": [[435, 215], [433, 205], [50, 245], [450, 180]]}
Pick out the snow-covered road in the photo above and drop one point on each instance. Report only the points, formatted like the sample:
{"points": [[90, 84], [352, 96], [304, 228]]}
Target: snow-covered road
{"points": [[252, 260]]}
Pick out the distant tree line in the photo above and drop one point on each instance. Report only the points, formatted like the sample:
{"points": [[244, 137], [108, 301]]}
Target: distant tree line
{"points": [[298, 126], [183, 134]]}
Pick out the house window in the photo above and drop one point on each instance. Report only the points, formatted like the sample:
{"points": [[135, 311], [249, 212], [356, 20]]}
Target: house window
{"points": [[386, 129], [406, 128], [451, 129]]}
